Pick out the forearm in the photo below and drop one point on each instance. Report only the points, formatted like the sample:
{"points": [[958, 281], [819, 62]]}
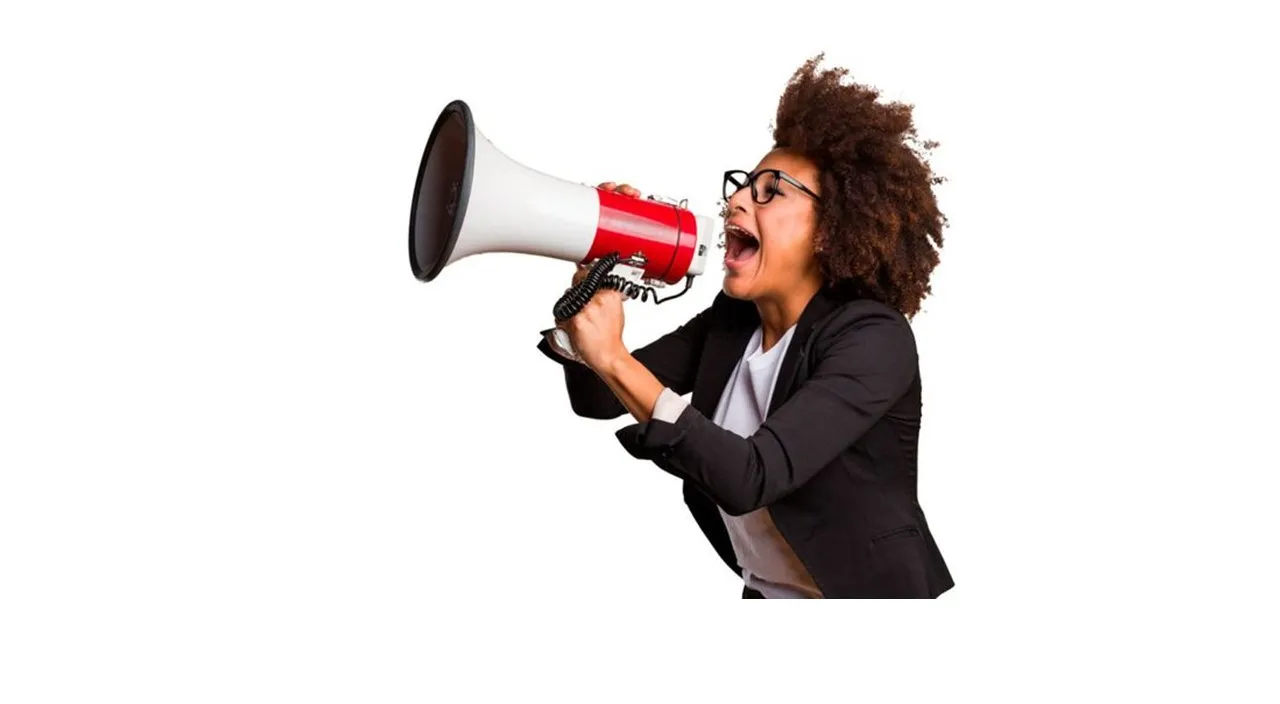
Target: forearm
{"points": [[867, 365], [633, 385]]}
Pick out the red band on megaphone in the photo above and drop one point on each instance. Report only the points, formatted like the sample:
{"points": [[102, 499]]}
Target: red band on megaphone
{"points": [[663, 233]]}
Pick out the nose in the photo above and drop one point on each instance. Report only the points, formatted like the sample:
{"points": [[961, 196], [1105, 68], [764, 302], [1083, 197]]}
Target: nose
{"points": [[741, 202]]}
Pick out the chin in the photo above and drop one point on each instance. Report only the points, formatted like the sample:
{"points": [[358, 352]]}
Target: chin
{"points": [[734, 286]]}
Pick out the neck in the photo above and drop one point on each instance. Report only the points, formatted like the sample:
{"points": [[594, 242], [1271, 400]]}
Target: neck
{"points": [[779, 313]]}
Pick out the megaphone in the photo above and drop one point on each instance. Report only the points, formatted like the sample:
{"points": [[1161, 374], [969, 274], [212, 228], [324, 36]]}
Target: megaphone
{"points": [[470, 198]]}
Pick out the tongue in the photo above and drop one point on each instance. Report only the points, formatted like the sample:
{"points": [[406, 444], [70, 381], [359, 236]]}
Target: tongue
{"points": [[740, 247]]}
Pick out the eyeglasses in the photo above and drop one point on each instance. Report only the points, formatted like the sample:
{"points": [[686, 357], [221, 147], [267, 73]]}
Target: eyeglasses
{"points": [[764, 184]]}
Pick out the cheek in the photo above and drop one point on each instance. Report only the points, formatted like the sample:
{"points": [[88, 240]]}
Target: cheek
{"points": [[788, 242], [792, 252]]}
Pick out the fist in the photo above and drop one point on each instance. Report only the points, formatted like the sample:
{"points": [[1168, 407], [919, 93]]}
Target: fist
{"points": [[596, 331]]}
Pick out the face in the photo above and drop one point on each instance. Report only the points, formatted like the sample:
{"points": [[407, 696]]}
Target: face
{"points": [[769, 246]]}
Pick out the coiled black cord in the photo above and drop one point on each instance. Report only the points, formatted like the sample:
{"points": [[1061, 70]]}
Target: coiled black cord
{"points": [[600, 277]]}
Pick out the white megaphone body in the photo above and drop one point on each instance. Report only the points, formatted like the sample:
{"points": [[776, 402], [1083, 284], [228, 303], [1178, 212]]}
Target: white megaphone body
{"points": [[470, 198]]}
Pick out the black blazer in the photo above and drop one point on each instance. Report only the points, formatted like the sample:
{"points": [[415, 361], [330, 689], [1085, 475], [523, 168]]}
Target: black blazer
{"points": [[835, 460]]}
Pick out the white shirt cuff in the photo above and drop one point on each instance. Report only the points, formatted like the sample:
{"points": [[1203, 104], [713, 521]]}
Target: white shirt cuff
{"points": [[555, 347], [669, 406]]}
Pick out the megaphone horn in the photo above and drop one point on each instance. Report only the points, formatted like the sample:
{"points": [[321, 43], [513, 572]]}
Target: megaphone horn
{"points": [[470, 198]]}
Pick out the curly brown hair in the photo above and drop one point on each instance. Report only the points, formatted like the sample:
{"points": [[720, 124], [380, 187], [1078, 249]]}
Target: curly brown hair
{"points": [[878, 221]]}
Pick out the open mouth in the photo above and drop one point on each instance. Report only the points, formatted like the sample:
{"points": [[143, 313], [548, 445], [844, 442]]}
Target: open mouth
{"points": [[740, 245]]}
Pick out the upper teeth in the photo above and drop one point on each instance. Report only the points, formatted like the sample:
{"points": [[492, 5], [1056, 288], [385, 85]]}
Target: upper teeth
{"points": [[734, 229]]}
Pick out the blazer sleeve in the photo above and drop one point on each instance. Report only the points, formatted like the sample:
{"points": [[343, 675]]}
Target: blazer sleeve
{"points": [[672, 358], [863, 363]]}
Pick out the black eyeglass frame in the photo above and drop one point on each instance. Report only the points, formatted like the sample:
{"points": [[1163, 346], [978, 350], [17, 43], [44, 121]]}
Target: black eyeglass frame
{"points": [[751, 178]]}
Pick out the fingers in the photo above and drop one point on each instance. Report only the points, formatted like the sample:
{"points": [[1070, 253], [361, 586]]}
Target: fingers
{"points": [[601, 301], [603, 311], [624, 189]]}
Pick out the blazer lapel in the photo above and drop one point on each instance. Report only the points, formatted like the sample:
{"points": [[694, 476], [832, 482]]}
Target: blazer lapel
{"points": [[726, 341], [821, 304], [721, 352]]}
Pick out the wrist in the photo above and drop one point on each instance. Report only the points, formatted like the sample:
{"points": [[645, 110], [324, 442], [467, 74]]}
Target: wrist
{"points": [[612, 364]]}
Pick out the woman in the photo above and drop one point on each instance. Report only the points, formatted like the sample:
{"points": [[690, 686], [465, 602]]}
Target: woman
{"points": [[798, 445]]}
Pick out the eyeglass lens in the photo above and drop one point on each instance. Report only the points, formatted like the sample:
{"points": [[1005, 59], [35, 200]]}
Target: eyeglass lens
{"points": [[762, 191]]}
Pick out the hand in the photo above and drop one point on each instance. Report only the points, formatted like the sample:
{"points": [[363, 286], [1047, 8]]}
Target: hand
{"points": [[624, 189], [596, 331]]}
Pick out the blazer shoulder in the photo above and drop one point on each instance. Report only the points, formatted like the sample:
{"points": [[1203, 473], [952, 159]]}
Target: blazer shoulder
{"points": [[862, 323]]}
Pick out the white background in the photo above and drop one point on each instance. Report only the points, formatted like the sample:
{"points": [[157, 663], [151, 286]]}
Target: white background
{"points": [[245, 456]]}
